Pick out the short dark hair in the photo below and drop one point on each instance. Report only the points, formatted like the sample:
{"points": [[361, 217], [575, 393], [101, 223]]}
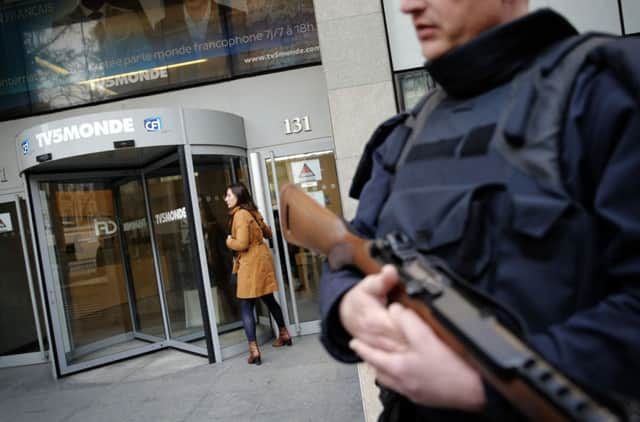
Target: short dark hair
{"points": [[244, 197]]}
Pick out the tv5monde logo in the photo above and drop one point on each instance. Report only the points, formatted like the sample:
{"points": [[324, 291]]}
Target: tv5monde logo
{"points": [[153, 124]]}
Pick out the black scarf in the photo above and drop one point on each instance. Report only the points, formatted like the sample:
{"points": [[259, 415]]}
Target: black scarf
{"points": [[497, 54]]}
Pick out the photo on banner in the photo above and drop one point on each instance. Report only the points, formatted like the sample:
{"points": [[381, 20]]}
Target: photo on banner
{"points": [[60, 54]]}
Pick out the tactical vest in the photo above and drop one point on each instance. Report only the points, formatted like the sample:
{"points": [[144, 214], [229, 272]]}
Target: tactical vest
{"points": [[481, 187]]}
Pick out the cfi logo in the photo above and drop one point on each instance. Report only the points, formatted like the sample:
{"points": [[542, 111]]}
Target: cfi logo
{"points": [[153, 124], [26, 146]]}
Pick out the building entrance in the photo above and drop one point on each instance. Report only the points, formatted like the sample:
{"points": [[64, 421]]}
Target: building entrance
{"points": [[121, 263], [300, 268], [131, 232]]}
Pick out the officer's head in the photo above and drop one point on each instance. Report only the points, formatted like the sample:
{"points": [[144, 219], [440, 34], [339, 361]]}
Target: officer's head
{"points": [[444, 24]]}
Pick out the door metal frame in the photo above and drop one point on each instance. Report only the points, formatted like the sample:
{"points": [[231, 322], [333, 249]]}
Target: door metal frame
{"points": [[263, 202], [41, 355], [40, 275], [49, 279], [258, 166], [191, 201], [262, 337], [124, 252], [287, 259], [156, 264], [213, 339]]}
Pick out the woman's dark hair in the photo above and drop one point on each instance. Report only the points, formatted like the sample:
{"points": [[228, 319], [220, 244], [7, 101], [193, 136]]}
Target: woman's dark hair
{"points": [[244, 197]]}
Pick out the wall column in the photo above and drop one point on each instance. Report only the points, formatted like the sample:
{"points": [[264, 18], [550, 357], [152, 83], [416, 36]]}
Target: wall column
{"points": [[355, 59]]}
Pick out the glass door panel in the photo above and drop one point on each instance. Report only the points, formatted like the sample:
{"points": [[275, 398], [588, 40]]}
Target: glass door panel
{"points": [[84, 250], [315, 173], [18, 333], [139, 264], [213, 174], [37, 292], [175, 249]]}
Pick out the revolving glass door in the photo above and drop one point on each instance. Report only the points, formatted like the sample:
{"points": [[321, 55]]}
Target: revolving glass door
{"points": [[120, 264]]}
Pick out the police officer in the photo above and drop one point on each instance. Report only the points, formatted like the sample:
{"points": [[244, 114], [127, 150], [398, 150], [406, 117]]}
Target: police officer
{"points": [[544, 219]]}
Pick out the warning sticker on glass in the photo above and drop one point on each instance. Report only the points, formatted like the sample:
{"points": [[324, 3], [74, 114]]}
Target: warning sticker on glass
{"points": [[5, 223], [306, 171]]}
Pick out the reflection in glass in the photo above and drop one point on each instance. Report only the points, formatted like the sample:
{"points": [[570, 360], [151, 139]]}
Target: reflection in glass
{"points": [[213, 175], [17, 324], [180, 279], [139, 259], [316, 174], [89, 278]]}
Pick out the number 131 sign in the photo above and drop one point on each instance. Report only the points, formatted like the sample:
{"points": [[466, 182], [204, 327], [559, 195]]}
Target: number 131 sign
{"points": [[297, 125]]}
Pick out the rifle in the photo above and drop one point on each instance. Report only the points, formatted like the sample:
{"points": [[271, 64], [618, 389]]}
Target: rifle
{"points": [[447, 304]]}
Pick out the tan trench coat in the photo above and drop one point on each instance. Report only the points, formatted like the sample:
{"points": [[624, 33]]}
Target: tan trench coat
{"points": [[254, 264]]}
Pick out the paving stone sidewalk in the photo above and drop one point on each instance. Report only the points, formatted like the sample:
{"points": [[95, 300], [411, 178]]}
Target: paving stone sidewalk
{"points": [[299, 383]]}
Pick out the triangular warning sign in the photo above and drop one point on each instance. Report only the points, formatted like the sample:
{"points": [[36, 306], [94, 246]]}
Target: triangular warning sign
{"points": [[306, 171]]}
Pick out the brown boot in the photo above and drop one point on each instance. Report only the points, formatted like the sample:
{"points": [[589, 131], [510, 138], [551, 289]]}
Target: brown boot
{"points": [[283, 338], [254, 354]]}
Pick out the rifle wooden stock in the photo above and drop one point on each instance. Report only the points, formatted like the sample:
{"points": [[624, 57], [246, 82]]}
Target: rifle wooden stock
{"points": [[305, 223]]}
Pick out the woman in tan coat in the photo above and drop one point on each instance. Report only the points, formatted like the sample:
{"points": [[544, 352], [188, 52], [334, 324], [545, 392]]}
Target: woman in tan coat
{"points": [[253, 266]]}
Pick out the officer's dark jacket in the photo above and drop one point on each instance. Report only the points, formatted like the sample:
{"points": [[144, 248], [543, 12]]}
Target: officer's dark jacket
{"points": [[567, 259]]}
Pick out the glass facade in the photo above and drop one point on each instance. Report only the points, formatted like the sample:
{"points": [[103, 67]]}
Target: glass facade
{"points": [[317, 175], [66, 53]]}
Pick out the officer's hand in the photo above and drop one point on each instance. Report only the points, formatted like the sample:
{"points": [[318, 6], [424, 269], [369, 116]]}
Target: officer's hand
{"points": [[364, 314], [427, 371]]}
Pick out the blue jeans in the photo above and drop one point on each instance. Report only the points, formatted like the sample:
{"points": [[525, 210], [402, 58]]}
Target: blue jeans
{"points": [[248, 320]]}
